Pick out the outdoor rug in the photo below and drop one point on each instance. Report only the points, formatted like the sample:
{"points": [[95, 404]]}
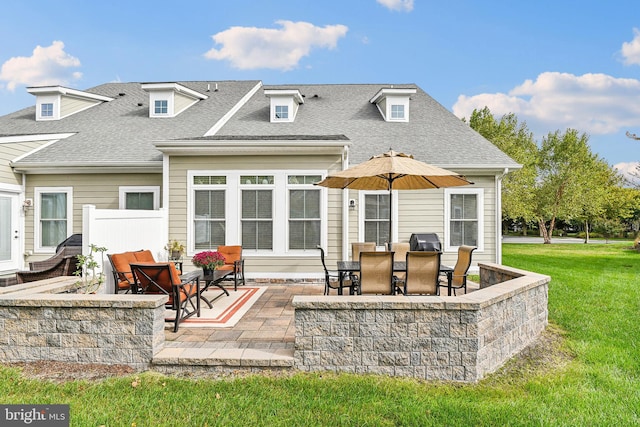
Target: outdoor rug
{"points": [[226, 311]]}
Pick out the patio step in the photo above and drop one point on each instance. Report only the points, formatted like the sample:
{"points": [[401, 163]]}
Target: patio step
{"points": [[224, 357]]}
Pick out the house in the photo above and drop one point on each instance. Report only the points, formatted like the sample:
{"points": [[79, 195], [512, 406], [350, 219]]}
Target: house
{"points": [[234, 162]]}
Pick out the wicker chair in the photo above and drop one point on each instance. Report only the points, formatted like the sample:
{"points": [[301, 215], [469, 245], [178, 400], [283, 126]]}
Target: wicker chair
{"points": [[376, 273], [164, 279], [423, 270], [459, 275], [233, 261], [65, 266]]}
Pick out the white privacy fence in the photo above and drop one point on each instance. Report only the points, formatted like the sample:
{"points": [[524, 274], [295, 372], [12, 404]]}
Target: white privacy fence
{"points": [[121, 230]]}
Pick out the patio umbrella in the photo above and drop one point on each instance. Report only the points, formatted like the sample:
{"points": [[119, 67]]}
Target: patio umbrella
{"points": [[393, 171]]}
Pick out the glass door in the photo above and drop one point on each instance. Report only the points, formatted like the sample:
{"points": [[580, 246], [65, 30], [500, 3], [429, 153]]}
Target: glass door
{"points": [[9, 237]]}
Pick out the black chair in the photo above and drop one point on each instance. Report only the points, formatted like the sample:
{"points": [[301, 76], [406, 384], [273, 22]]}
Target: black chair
{"points": [[163, 279], [332, 278]]}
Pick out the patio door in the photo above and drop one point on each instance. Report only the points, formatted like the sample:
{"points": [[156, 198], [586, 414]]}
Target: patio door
{"points": [[9, 232]]}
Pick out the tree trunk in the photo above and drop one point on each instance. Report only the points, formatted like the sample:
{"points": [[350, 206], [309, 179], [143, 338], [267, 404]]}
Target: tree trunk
{"points": [[586, 231], [543, 232]]}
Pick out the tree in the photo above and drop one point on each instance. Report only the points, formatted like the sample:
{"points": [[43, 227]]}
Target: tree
{"points": [[567, 170], [516, 141]]}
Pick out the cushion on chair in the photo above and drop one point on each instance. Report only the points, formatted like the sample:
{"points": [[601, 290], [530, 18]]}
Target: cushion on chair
{"points": [[231, 254], [144, 256]]}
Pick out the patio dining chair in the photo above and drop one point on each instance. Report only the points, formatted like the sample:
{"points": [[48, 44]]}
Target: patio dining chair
{"points": [[423, 270], [332, 277], [459, 275], [376, 273], [356, 248], [164, 279], [400, 250]]}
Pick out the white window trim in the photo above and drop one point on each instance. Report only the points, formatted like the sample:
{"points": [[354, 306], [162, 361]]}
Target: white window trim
{"points": [[447, 216], [122, 194], [48, 99], [233, 204], [394, 214], [323, 210], [37, 234]]}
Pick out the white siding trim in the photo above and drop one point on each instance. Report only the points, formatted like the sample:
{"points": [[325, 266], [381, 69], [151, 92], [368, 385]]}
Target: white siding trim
{"points": [[216, 127]]}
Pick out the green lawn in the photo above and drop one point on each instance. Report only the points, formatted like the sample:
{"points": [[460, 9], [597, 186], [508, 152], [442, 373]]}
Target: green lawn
{"points": [[590, 377]]}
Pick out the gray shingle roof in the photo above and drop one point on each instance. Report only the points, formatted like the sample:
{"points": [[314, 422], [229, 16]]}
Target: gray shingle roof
{"points": [[121, 131]]}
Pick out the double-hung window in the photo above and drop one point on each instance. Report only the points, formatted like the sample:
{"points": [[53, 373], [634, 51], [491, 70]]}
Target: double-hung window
{"points": [[268, 212], [376, 218], [209, 211], [53, 217], [464, 224], [257, 211], [304, 212]]}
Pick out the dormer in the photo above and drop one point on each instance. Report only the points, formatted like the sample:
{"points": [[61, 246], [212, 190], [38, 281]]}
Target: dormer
{"points": [[284, 104], [57, 102], [393, 103], [170, 99]]}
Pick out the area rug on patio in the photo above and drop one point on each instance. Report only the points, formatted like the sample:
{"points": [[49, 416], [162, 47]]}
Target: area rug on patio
{"points": [[226, 311]]}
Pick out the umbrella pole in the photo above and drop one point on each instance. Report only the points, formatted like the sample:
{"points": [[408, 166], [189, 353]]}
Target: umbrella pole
{"points": [[390, 214]]}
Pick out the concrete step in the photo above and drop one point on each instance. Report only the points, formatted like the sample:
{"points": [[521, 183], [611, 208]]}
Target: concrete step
{"points": [[229, 357]]}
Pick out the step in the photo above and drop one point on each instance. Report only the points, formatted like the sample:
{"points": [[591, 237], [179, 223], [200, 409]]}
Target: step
{"points": [[229, 357]]}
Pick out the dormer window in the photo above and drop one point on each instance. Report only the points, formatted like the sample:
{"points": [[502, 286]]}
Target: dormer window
{"points": [[282, 112], [393, 103], [170, 99], [46, 109], [161, 107], [57, 102], [284, 104]]}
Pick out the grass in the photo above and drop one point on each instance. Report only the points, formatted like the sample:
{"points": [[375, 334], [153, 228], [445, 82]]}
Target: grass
{"points": [[586, 373]]}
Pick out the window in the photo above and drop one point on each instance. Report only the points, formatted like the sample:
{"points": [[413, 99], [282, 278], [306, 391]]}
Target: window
{"points": [[209, 221], [282, 112], [257, 212], [53, 217], [46, 109], [376, 218], [161, 106], [397, 112], [269, 213], [464, 218], [304, 212], [144, 198]]}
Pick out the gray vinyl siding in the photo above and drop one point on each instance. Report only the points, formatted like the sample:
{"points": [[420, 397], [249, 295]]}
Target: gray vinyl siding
{"points": [[69, 105], [100, 190], [8, 152], [178, 171]]}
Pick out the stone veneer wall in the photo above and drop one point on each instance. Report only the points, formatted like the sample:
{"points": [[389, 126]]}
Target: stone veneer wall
{"points": [[434, 338], [68, 327]]}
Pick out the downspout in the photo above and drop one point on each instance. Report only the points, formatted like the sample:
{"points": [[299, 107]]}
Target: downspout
{"points": [[498, 224], [22, 226], [165, 181], [345, 209]]}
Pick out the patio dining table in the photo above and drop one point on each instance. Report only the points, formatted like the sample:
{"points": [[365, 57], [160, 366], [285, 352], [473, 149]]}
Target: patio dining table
{"points": [[347, 267]]}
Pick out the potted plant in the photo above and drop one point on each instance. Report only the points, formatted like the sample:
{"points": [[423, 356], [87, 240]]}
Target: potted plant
{"points": [[175, 249], [90, 278], [208, 260]]}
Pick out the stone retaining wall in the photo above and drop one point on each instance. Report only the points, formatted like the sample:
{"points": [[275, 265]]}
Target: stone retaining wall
{"points": [[67, 327], [434, 338]]}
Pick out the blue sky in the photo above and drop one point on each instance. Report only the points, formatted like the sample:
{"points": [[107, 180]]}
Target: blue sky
{"points": [[555, 64]]}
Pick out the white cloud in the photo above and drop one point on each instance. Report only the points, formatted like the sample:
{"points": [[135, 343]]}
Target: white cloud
{"points": [[401, 5], [629, 170], [592, 103], [631, 50], [282, 49], [47, 66]]}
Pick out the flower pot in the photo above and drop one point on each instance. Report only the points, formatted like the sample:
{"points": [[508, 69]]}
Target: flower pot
{"points": [[207, 271], [176, 255]]}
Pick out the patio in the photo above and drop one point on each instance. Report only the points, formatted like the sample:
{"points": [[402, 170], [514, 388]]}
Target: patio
{"points": [[265, 336]]}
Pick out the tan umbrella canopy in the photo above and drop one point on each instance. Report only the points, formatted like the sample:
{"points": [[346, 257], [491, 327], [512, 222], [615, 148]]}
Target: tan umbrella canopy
{"points": [[393, 171]]}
